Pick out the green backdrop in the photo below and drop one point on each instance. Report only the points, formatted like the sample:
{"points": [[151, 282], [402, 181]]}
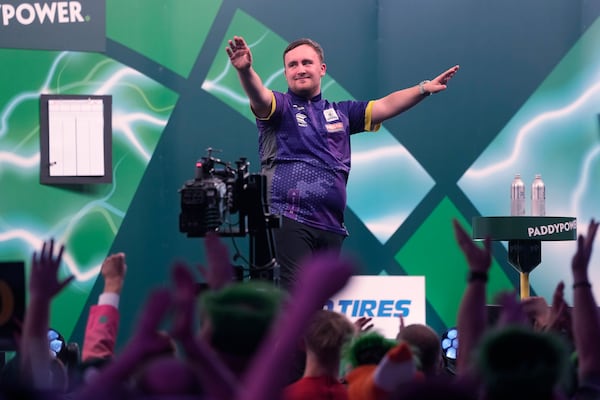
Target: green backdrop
{"points": [[524, 101]]}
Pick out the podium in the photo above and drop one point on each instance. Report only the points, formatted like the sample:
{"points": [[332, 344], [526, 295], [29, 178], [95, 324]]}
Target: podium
{"points": [[525, 235]]}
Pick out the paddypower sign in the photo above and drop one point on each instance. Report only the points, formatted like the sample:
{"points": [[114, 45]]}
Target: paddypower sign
{"points": [[525, 228], [53, 25]]}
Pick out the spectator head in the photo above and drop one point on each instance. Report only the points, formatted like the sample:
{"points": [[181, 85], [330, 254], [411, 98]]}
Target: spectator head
{"points": [[237, 317], [367, 349], [425, 342], [326, 334], [518, 363]]}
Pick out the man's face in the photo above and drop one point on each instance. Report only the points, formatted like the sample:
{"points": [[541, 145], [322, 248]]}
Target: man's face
{"points": [[303, 71]]}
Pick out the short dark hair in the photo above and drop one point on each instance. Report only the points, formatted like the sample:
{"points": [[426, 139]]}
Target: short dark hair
{"points": [[305, 41]]}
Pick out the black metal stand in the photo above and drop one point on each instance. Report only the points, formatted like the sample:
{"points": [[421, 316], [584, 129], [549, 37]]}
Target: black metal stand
{"points": [[263, 264], [524, 256]]}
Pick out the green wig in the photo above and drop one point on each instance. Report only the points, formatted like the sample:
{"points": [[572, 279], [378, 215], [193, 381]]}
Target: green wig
{"points": [[241, 315], [367, 349]]}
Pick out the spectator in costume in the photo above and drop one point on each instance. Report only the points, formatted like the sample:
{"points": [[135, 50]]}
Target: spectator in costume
{"points": [[378, 366]]}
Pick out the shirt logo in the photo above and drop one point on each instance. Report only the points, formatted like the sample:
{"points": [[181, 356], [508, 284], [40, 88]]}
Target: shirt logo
{"points": [[301, 120], [335, 127], [330, 115]]}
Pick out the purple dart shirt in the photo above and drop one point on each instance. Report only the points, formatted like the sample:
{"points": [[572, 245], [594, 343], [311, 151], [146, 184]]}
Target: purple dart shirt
{"points": [[304, 148]]}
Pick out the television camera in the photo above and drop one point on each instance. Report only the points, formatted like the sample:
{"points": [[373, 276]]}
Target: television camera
{"points": [[218, 192]]}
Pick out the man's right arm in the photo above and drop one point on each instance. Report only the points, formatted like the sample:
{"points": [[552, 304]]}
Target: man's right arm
{"points": [[261, 98]]}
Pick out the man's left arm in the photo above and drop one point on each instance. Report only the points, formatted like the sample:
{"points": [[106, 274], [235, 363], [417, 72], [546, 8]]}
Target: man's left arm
{"points": [[401, 100]]}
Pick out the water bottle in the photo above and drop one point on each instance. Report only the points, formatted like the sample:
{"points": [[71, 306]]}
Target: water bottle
{"points": [[538, 196], [517, 196]]}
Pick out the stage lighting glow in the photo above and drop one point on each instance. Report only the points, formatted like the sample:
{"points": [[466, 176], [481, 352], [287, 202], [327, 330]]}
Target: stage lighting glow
{"points": [[450, 343]]}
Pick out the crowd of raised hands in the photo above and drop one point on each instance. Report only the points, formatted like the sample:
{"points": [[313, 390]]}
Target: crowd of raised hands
{"points": [[534, 351], [176, 350]]}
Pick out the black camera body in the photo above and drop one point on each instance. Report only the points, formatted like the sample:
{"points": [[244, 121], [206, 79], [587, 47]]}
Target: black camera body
{"points": [[219, 191], [208, 199]]}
